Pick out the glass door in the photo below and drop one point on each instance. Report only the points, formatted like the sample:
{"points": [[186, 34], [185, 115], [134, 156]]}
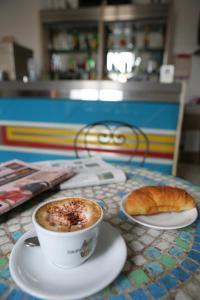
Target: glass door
{"points": [[72, 50], [134, 49]]}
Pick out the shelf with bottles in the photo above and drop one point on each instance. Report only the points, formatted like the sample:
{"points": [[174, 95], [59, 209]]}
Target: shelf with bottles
{"points": [[140, 65], [143, 35], [63, 39], [126, 65], [70, 66], [132, 28], [134, 49], [72, 50]]}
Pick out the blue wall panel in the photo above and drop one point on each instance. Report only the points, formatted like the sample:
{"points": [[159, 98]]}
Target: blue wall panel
{"points": [[142, 114]]}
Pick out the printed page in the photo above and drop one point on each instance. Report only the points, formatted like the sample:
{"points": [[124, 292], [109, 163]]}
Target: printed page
{"points": [[92, 171], [88, 172], [20, 182]]}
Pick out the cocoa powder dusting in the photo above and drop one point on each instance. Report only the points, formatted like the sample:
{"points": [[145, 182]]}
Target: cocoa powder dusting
{"points": [[68, 214]]}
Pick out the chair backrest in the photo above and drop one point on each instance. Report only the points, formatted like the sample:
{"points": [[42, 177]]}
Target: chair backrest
{"points": [[106, 138]]}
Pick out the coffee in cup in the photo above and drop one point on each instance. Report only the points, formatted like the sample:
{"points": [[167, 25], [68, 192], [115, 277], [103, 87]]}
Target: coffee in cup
{"points": [[68, 229], [68, 215]]}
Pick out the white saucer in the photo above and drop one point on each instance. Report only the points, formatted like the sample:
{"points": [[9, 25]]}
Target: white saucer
{"points": [[36, 276], [164, 221]]}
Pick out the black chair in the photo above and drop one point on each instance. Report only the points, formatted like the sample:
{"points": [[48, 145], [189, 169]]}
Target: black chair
{"points": [[115, 140]]}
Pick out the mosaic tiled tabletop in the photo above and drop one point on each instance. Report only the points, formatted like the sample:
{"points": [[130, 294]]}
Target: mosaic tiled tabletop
{"points": [[160, 264]]}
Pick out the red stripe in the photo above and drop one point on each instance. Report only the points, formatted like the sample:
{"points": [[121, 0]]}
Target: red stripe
{"points": [[40, 145], [4, 137], [166, 155]]}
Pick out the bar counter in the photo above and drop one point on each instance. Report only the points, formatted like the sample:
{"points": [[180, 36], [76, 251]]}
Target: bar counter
{"points": [[40, 120], [92, 90]]}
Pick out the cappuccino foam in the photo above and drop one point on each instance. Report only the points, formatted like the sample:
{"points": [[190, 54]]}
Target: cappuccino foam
{"points": [[70, 214]]}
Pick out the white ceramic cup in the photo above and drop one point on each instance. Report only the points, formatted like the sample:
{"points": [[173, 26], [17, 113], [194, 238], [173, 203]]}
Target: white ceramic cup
{"points": [[67, 249]]}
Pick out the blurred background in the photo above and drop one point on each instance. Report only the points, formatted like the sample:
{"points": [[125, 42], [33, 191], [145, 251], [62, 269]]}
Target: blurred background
{"points": [[121, 41]]}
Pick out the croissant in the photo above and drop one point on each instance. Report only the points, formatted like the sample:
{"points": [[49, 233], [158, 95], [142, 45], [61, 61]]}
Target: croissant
{"points": [[156, 199]]}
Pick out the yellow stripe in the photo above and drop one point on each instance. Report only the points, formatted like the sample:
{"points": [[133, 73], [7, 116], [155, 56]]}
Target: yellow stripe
{"points": [[63, 141], [40, 139], [11, 135], [162, 138], [49, 131], [151, 137], [41, 130]]}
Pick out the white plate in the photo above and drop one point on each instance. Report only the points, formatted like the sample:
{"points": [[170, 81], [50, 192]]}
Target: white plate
{"points": [[36, 276], [164, 221]]}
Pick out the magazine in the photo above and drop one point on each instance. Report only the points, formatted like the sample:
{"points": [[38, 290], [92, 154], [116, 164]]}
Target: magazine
{"points": [[20, 181], [89, 172]]}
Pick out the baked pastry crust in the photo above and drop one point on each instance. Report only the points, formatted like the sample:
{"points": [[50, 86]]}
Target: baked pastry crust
{"points": [[156, 199]]}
